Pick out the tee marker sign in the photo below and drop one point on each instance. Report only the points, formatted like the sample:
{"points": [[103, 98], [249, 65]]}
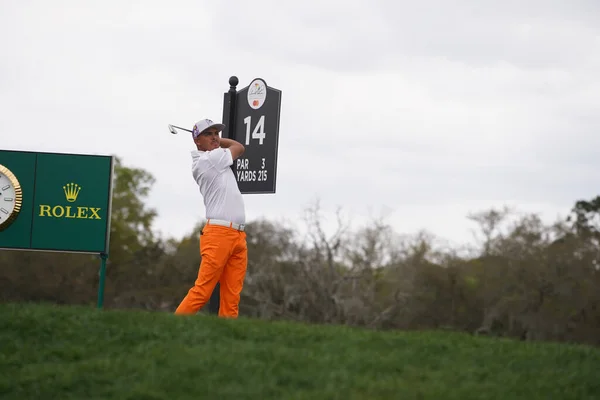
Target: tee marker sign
{"points": [[252, 117]]}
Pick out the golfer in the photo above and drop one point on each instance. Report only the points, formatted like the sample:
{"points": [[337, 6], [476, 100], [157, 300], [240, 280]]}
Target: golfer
{"points": [[223, 245]]}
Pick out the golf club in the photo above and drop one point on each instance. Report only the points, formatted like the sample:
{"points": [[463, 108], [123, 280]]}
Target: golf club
{"points": [[174, 132]]}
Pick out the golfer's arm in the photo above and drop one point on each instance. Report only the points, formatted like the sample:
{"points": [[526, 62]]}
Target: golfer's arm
{"points": [[236, 148]]}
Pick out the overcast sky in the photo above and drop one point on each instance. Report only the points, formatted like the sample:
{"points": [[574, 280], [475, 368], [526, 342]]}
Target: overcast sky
{"points": [[423, 111]]}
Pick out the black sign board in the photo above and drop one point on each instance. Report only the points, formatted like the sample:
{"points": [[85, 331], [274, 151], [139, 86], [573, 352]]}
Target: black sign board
{"points": [[252, 118]]}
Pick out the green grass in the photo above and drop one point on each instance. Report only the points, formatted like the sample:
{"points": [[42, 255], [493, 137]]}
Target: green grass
{"points": [[59, 353]]}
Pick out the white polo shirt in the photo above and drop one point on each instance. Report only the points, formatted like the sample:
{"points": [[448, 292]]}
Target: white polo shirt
{"points": [[216, 181]]}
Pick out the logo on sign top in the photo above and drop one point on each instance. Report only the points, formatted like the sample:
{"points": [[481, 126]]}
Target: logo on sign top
{"points": [[257, 94], [71, 191]]}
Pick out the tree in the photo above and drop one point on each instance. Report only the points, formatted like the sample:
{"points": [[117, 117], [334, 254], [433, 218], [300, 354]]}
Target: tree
{"points": [[131, 222], [134, 247]]}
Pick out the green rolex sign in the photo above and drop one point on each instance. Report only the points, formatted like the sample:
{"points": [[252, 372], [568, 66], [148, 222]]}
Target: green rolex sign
{"points": [[56, 202]]}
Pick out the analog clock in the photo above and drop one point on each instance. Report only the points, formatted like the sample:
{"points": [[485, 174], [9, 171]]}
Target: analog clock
{"points": [[11, 197]]}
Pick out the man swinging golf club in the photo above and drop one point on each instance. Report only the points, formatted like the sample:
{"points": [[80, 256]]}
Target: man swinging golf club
{"points": [[223, 245]]}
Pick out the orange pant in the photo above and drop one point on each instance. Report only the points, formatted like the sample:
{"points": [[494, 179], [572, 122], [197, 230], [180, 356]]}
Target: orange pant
{"points": [[224, 259]]}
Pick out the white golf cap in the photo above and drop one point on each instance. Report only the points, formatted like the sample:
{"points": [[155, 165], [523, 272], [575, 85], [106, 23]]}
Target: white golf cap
{"points": [[203, 124]]}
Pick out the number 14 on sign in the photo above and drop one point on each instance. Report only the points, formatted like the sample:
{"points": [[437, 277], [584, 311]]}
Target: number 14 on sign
{"points": [[259, 129]]}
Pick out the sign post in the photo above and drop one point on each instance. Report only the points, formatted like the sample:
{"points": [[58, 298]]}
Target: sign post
{"points": [[251, 117], [57, 203]]}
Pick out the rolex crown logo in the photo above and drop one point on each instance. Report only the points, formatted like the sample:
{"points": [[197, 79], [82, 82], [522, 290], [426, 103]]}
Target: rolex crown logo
{"points": [[71, 191]]}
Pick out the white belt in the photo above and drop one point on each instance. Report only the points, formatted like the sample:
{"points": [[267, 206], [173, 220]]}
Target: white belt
{"points": [[239, 227]]}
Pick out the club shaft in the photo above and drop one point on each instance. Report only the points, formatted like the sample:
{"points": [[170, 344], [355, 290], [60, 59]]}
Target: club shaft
{"points": [[183, 129]]}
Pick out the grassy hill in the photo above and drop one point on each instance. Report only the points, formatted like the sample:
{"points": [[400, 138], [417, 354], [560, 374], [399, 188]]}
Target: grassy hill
{"points": [[49, 352]]}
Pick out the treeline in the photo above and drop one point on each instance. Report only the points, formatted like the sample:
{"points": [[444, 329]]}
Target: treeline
{"points": [[525, 280]]}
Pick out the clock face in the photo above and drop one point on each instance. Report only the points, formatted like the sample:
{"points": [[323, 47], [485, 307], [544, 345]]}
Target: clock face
{"points": [[11, 197]]}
